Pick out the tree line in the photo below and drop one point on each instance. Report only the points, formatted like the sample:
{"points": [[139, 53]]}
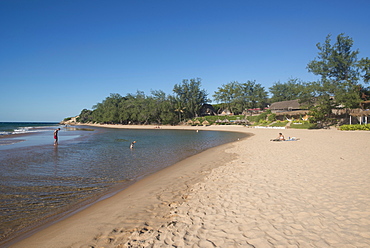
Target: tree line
{"points": [[340, 72], [158, 107]]}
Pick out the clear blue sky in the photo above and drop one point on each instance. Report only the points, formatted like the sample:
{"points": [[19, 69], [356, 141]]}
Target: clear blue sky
{"points": [[59, 57]]}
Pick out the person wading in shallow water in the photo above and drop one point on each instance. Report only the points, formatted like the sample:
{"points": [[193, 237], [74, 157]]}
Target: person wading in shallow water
{"points": [[56, 136], [132, 144]]}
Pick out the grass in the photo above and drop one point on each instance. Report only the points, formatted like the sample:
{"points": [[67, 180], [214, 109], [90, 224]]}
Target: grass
{"points": [[302, 125], [263, 120], [260, 120], [213, 119], [279, 124]]}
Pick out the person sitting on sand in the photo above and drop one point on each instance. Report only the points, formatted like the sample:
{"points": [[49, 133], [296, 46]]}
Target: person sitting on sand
{"points": [[279, 138]]}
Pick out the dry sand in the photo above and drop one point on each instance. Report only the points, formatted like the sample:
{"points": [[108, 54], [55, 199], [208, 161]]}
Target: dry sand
{"points": [[314, 192]]}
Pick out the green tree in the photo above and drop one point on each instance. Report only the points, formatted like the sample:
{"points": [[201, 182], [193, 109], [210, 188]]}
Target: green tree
{"points": [[364, 65], [167, 114], [134, 109], [290, 90], [365, 93], [237, 97], [190, 97], [85, 116], [254, 95], [107, 111], [163, 108], [226, 95], [340, 72]]}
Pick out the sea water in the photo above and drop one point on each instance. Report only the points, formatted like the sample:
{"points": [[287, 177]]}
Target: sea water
{"points": [[7, 128], [40, 181]]}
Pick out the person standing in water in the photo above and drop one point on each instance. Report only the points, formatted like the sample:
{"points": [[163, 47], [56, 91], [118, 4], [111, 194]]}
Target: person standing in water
{"points": [[56, 136], [132, 144]]}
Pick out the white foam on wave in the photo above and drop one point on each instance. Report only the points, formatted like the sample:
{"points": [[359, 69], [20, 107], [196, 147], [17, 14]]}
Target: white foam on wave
{"points": [[5, 133], [23, 130]]}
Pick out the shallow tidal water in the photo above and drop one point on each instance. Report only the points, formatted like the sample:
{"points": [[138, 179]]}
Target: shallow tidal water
{"points": [[40, 181]]}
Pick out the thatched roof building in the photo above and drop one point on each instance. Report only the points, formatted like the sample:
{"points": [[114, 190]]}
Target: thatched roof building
{"points": [[362, 115], [207, 109], [365, 105], [285, 106]]}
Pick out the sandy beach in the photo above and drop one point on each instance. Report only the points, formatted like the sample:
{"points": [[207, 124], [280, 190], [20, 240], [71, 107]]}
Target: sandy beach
{"points": [[314, 192]]}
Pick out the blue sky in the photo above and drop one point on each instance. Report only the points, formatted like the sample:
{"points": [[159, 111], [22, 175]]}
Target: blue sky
{"points": [[59, 57]]}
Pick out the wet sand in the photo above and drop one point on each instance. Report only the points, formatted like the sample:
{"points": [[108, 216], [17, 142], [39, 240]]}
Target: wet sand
{"points": [[251, 193]]}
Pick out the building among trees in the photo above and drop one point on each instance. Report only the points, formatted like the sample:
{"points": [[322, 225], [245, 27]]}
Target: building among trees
{"points": [[285, 106], [288, 110], [362, 115]]}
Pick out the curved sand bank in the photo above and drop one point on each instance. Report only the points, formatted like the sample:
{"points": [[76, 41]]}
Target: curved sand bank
{"points": [[251, 193]]}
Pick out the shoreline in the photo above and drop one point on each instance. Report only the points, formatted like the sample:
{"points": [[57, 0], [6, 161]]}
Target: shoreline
{"points": [[291, 193], [88, 203]]}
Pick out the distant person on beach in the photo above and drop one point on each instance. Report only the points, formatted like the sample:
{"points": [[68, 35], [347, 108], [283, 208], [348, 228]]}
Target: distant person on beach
{"points": [[132, 144], [279, 138], [56, 136]]}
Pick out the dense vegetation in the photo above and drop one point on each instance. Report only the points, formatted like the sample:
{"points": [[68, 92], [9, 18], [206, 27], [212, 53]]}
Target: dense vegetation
{"points": [[237, 97], [265, 119], [339, 86], [355, 127], [157, 108]]}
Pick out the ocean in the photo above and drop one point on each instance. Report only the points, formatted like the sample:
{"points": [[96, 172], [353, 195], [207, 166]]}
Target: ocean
{"points": [[41, 182]]}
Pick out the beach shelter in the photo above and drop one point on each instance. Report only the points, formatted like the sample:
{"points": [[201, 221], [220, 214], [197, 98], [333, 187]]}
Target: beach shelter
{"points": [[205, 123], [363, 114]]}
